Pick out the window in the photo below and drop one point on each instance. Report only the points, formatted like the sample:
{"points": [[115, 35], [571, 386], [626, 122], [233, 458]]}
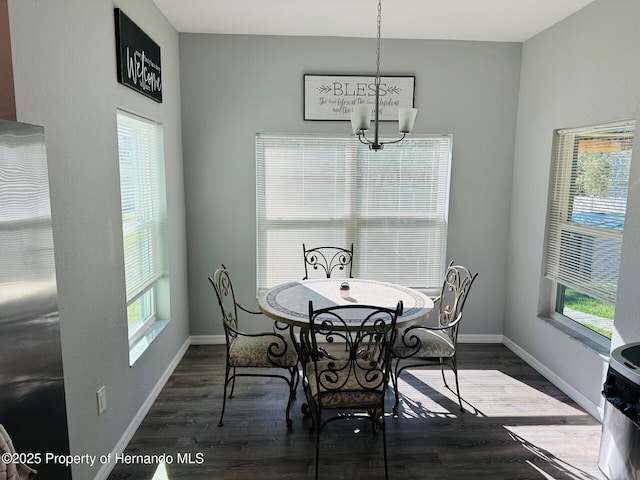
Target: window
{"points": [[586, 220], [323, 190], [143, 225]]}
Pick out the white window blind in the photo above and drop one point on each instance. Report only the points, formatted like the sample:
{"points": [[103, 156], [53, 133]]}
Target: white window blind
{"points": [[333, 191], [140, 152], [587, 208]]}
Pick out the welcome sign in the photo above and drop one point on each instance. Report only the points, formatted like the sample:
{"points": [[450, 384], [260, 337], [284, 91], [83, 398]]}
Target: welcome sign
{"points": [[138, 58]]}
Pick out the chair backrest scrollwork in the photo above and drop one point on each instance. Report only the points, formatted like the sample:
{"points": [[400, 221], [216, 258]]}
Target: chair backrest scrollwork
{"points": [[328, 259], [221, 281], [368, 333], [455, 289]]}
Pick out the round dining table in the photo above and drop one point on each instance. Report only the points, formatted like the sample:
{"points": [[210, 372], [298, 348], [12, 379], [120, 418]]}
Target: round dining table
{"points": [[289, 302]]}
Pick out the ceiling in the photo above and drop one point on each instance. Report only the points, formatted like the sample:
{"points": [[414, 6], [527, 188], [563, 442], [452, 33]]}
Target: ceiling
{"points": [[480, 20]]}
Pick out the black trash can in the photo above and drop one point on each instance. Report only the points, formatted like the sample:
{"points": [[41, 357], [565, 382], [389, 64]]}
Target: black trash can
{"points": [[619, 457]]}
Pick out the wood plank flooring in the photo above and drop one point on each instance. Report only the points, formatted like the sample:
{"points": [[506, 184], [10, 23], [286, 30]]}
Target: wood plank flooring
{"points": [[516, 426]]}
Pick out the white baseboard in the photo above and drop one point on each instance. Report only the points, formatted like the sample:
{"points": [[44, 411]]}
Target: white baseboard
{"points": [[576, 396], [106, 468], [479, 338], [207, 340]]}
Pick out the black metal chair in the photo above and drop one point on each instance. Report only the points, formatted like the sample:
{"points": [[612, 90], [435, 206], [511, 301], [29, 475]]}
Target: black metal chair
{"points": [[422, 345], [253, 351], [328, 259], [354, 384]]}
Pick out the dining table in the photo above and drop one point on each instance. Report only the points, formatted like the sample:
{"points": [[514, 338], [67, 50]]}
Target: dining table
{"points": [[289, 302]]}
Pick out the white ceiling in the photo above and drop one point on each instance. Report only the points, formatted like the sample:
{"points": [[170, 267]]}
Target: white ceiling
{"points": [[482, 20]]}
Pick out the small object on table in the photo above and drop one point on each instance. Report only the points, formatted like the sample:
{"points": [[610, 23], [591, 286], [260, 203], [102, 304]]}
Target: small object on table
{"points": [[345, 291]]}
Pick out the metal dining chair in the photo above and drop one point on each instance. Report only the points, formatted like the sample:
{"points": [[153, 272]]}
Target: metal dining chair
{"points": [[353, 385], [328, 259], [11, 465], [245, 351], [423, 345]]}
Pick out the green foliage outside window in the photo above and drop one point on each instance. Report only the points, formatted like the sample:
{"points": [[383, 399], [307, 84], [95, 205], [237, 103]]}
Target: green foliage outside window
{"points": [[593, 174], [583, 303]]}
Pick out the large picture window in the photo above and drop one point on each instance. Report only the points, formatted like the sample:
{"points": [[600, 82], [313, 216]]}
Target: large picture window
{"points": [[143, 221], [323, 190], [586, 221]]}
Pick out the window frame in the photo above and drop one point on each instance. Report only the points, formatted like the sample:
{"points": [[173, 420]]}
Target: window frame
{"points": [[567, 194], [353, 223], [144, 330]]}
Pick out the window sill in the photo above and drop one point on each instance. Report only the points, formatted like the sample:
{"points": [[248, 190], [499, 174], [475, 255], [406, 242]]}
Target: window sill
{"points": [[141, 343], [599, 346]]}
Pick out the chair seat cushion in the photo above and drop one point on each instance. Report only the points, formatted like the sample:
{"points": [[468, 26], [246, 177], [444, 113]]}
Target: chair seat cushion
{"points": [[433, 343], [247, 351], [356, 386]]}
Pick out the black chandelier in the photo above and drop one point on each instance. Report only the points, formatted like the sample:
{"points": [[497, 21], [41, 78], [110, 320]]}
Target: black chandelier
{"points": [[361, 115]]}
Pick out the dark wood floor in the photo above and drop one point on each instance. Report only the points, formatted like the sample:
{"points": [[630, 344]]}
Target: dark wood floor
{"points": [[516, 426]]}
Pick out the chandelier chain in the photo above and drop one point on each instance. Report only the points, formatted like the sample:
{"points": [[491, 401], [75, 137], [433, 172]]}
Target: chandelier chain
{"points": [[378, 43]]}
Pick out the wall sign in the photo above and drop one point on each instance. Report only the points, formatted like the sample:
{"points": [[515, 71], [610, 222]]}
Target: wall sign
{"points": [[332, 97], [138, 58]]}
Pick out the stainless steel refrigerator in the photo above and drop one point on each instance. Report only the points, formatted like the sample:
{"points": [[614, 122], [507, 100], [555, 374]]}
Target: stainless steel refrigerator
{"points": [[32, 399]]}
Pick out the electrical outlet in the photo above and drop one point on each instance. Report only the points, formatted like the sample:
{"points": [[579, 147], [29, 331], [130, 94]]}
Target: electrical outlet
{"points": [[102, 399]]}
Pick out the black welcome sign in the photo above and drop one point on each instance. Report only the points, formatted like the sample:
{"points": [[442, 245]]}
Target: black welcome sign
{"points": [[138, 58]]}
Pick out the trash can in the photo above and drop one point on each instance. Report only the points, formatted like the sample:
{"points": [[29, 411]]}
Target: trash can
{"points": [[619, 457]]}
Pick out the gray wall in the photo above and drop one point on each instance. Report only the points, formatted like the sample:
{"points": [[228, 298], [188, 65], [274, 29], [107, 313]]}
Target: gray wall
{"points": [[65, 80], [235, 86], [581, 71], [578, 72]]}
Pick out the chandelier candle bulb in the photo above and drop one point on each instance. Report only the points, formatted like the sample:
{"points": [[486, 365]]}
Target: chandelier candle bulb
{"points": [[361, 118], [406, 119], [354, 122]]}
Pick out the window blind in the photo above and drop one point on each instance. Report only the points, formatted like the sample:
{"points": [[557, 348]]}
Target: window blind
{"points": [[140, 151], [587, 208], [333, 191]]}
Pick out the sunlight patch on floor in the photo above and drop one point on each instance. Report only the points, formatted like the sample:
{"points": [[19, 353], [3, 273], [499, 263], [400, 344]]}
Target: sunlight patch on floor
{"points": [[555, 445], [416, 404], [161, 472], [488, 393]]}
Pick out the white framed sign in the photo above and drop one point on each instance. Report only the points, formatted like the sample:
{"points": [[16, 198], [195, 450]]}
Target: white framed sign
{"points": [[333, 97]]}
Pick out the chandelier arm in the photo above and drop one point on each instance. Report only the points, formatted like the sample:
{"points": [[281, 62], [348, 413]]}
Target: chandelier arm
{"points": [[394, 141], [366, 141]]}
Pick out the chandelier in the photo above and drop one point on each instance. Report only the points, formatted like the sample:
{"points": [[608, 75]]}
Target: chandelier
{"points": [[361, 115]]}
